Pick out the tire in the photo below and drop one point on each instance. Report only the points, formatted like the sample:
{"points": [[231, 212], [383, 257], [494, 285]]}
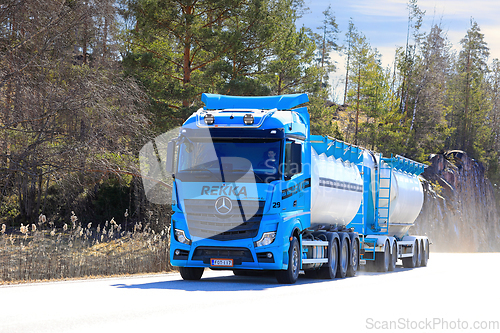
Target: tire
{"points": [[191, 273], [343, 258], [394, 257], [425, 253], [383, 259], [291, 274], [412, 261], [354, 262], [330, 270], [419, 254]]}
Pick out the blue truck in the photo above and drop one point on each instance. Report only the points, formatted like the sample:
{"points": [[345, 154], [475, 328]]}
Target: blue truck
{"points": [[253, 190]]}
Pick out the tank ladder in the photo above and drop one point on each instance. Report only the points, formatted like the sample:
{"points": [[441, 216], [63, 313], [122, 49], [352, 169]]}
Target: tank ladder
{"points": [[384, 198]]}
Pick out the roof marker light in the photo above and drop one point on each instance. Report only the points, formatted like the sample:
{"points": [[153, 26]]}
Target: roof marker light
{"points": [[248, 119], [209, 119]]}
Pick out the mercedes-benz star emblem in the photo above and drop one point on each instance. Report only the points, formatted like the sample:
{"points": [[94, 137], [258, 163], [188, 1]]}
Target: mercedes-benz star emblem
{"points": [[223, 205]]}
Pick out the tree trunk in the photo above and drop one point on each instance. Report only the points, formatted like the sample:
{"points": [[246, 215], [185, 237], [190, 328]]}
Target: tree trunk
{"points": [[187, 58], [323, 50], [187, 70], [357, 107], [347, 72], [105, 38], [465, 130]]}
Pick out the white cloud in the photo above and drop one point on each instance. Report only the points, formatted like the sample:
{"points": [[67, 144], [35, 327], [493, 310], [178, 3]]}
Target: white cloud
{"points": [[478, 9], [456, 15], [491, 34], [379, 9]]}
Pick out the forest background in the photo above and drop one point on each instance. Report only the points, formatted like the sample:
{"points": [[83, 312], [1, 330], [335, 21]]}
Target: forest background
{"points": [[85, 84]]}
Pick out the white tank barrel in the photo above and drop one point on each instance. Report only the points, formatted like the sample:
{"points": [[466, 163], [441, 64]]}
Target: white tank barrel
{"points": [[337, 190], [406, 200]]}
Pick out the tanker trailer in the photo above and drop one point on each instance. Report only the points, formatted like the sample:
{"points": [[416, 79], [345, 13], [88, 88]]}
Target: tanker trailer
{"points": [[392, 201], [253, 190]]}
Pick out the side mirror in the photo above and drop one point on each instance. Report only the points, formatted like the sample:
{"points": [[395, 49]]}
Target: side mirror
{"points": [[293, 159], [169, 167]]}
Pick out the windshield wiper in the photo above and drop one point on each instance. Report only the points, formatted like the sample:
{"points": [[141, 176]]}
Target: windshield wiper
{"points": [[198, 169], [260, 178], [256, 175], [207, 173]]}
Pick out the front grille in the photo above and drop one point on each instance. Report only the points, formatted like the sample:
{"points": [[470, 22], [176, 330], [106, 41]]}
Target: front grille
{"points": [[204, 221], [238, 254]]}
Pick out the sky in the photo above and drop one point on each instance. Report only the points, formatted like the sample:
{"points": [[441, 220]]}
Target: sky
{"points": [[385, 23]]}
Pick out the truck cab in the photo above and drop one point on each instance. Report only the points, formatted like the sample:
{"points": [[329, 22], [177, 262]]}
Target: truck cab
{"points": [[240, 191]]}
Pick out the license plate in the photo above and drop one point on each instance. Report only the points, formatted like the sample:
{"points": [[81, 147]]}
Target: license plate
{"points": [[221, 262]]}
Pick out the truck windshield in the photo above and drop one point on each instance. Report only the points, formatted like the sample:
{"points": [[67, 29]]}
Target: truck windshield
{"points": [[229, 160]]}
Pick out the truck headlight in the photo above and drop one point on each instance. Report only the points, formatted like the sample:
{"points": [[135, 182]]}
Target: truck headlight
{"points": [[180, 236], [266, 239]]}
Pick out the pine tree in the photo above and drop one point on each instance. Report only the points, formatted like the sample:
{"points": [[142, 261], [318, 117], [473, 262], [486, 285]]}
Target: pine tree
{"points": [[326, 40], [493, 162], [406, 64], [469, 98], [349, 37], [364, 86], [427, 126], [290, 70], [494, 115]]}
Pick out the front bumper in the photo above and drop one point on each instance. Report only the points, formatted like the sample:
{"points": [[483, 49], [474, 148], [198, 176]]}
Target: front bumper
{"points": [[242, 252]]}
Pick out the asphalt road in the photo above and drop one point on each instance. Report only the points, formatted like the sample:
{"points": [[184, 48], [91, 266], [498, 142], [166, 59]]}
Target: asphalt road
{"points": [[456, 292]]}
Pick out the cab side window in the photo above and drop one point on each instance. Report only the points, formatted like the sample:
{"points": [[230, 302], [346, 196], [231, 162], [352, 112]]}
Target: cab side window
{"points": [[293, 159]]}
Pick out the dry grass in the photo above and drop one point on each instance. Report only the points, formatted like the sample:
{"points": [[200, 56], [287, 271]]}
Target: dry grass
{"points": [[40, 252]]}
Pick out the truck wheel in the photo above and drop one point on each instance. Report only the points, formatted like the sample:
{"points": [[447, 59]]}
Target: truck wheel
{"points": [[343, 258], [291, 274], [330, 270], [419, 257], [191, 273], [394, 256], [382, 259], [354, 262], [425, 253], [412, 261]]}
